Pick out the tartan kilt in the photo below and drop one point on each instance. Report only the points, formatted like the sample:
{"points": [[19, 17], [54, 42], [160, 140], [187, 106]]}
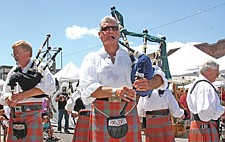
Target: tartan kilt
{"points": [[81, 133], [33, 122], [98, 129], [159, 129], [198, 134]]}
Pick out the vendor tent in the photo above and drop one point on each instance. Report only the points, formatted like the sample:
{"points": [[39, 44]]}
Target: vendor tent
{"points": [[68, 74], [186, 61]]}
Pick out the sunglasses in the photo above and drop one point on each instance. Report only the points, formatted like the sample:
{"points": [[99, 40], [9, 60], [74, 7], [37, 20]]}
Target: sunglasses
{"points": [[113, 28]]}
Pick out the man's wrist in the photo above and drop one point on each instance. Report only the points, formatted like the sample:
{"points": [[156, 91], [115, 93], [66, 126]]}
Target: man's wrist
{"points": [[114, 92], [115, 97]]}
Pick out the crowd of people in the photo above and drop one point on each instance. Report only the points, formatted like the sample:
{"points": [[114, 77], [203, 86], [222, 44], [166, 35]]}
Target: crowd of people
{"points": [[108, 109]]}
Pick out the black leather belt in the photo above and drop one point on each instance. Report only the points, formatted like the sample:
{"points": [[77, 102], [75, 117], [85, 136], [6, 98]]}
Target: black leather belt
{"points": [[84, 113], [103, 99], [25, 108], [158, 112], [196, 117]]}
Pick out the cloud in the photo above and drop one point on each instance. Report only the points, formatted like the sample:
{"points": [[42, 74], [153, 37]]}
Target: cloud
{"points": [[75, 32]]}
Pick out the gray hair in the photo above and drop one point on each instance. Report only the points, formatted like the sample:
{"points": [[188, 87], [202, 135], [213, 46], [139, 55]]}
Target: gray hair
{"points": [[108, 19], [209, 65]]}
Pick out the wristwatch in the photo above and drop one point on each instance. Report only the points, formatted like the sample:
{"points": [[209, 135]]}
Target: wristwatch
{"points": [[114, 92]]}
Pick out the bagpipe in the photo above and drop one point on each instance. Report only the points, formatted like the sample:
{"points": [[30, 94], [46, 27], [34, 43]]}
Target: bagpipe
{"points": [[142, 65], [34, 74]]}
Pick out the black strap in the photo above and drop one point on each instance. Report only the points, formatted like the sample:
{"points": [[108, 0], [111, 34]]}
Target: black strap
{"points": [[201, 81], [160, 92], [158, 112]]}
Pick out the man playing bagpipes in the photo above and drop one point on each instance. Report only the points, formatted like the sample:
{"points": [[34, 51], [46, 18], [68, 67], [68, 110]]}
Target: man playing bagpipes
{"points": [[23, 92], [105, 82]]}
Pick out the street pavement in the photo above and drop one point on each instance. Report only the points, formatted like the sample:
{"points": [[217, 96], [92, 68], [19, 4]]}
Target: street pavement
{"points": [[63, 137]]}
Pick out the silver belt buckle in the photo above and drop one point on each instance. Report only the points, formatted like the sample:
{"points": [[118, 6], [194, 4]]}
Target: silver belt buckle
{"points": [[18, 109], [204, 126], [114, 99]]}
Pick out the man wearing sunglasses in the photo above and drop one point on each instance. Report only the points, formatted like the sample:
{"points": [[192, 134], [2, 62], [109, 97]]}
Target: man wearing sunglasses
{"points": [[106, 84]]}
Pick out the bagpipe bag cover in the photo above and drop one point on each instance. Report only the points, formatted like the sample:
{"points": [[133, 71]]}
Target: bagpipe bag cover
{"points": [[143, 65]]}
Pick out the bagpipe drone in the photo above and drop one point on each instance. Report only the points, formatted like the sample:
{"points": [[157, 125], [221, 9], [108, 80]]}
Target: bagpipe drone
{"points": [[142, 67], [33, 76]]}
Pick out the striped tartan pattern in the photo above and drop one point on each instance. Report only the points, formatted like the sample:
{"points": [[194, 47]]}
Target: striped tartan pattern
{"points": [[203, 135], [34, 126], [99, 133], [159, 129], [81, 133]]}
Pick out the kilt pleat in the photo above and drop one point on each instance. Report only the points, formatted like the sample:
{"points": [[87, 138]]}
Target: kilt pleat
{"points": [[159, 129], [98, 131], [81, 133], [198, 134], [34, 126]]}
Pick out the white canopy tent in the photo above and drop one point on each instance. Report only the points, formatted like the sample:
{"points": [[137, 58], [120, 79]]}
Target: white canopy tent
{"points": [[221, 61], [69, 73], [184, 65], [186, 61]]}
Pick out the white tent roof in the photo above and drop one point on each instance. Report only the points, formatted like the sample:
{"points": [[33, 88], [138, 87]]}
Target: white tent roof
{"points": [[221, 61], [68, 72], [186, 60]]}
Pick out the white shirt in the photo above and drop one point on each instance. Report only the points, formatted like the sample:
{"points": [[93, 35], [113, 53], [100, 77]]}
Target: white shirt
{"points": [[72, 101], [98, 70], [47, 84], [204, 101], [158, 102]]}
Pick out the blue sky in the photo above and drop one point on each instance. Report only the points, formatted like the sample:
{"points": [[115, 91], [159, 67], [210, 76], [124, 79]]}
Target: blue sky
{"points": [[73, 23]]}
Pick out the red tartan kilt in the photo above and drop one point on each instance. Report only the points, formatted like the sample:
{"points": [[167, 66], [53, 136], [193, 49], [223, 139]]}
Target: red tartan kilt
{"points": [[99, 131], [203, 135], [33, 122], [159, 129], [81, 133]]}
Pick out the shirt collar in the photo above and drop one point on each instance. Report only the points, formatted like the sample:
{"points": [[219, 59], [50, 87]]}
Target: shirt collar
{"points": [[104, 54]]}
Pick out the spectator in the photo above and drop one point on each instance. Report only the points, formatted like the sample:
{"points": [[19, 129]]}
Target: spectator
{"points": [[183, 103], [47, 128], [62, 98]]}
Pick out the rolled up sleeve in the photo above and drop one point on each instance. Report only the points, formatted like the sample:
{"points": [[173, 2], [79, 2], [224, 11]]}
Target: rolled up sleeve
{"points": [[47, 83], [158, 71]]}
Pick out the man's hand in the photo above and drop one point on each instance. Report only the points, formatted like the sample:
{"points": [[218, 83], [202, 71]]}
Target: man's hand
{"points": [[74, 114], [10, 101], [126, 93], [143, 84]]}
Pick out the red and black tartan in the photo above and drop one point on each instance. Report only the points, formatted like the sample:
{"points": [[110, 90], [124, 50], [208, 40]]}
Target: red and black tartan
{"points": [[33, 122], [198, 134], [98, 130], [159, 129], [81, 133]]}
